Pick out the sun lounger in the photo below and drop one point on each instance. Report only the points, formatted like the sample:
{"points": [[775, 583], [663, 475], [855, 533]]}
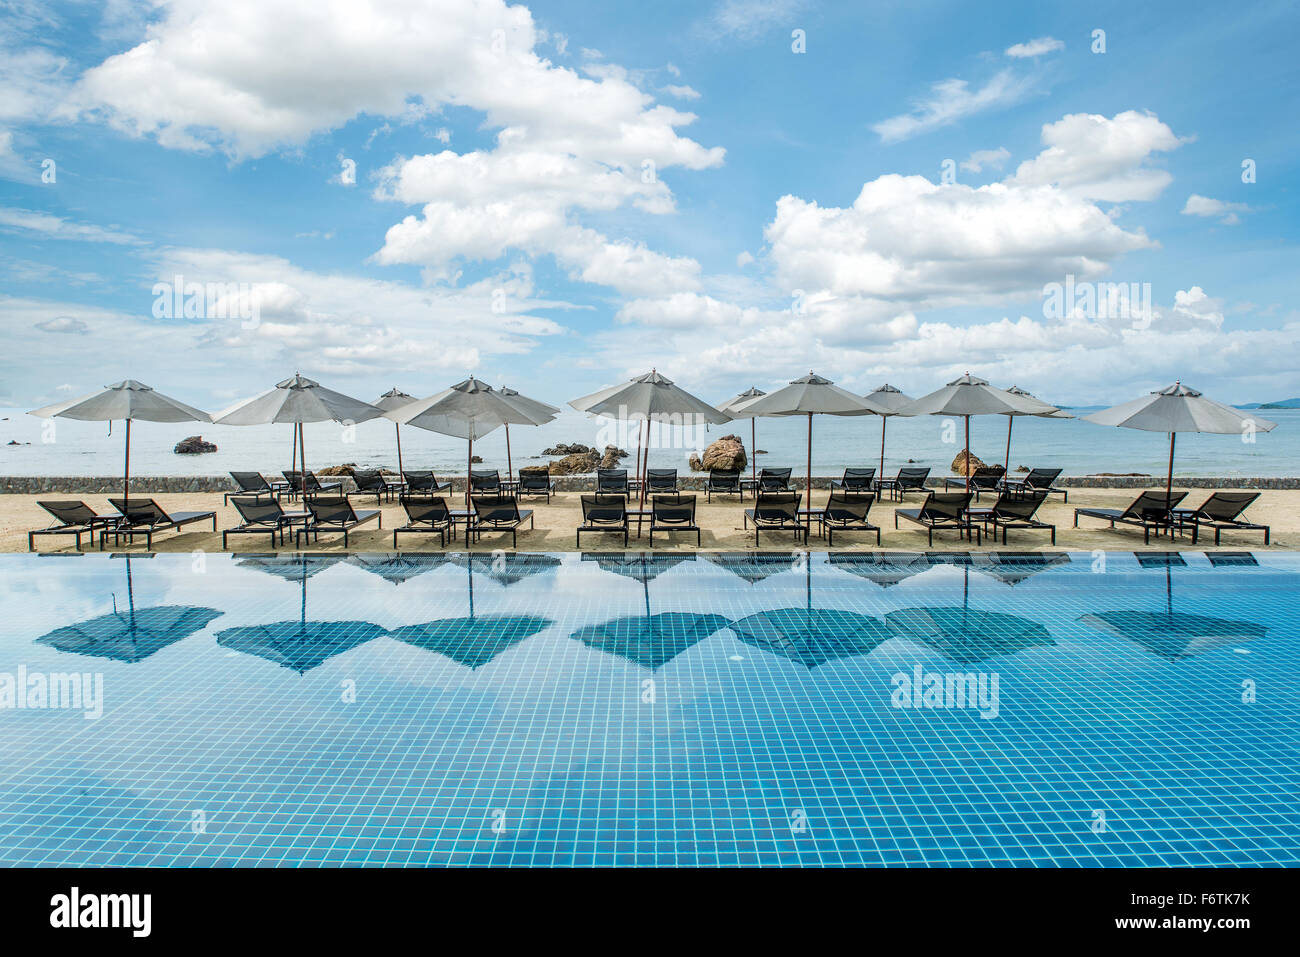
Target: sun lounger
{"points": [[256, 485], [144, 516], [986, 478], [536, 481], [426, 516], [671, 512], [1222, 510], [424, 483], [722, 482], [497, 513], [942, 510], [372, 482], [847, 512], [773, 480], [335, 514], [1151, 509], [262, 516], [314, 485], [1016, 510], [660, 480], [612, 482], [907, 480], [603, 513], [1036, 479], [73, 518], [855, 480], [776, 511]]}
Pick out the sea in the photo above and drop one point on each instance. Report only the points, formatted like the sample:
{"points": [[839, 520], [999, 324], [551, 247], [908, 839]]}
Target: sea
{"points": [[64, 447]]}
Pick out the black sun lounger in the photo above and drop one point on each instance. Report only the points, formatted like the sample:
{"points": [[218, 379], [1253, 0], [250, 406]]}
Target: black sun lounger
{"points": [[424, 482], [314, 485], [604, 512], [722, 482], [856, 480], [335, 514], [907, 480], [536, 481], [847, 512], [986, 478], [372, 482], [498, 513], [426, 515], [671, 512], [1151, 509], [256, 485], [660, 480], [72, 518], [942, 510], [144, 516], [1221, 511], [265, 516], [1036, 479], [777, 511], [485, 480], [612, 482], [1016, 510]]}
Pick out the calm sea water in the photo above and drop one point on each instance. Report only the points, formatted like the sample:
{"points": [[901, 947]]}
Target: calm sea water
{"points": [[88, 448]]}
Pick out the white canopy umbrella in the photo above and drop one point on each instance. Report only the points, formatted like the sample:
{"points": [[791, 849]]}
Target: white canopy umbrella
{"points": [[543, 411], [298, 400], [394, 399], [127, 400], [730, 407], [809, 395], [652, 398], [1011, 418], [970, 395], [1179, 408], [888, 400], [468, 410]]}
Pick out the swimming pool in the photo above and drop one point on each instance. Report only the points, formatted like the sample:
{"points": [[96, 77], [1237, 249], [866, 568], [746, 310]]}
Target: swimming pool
{"points": [[690, 709]]}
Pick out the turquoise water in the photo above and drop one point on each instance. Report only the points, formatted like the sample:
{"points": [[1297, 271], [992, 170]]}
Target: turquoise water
{"points": [[663, 709], [1080, 448]]}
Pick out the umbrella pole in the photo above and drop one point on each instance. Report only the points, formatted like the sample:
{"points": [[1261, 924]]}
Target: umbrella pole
{"points": [[510, 468], [1006, 468], [966, 464], [126, 467], [880, 476], [294, 446], [1169, 481], [753, 448], [302, 461], [809, 504], [642, 469], [397, 426], [469, 473]]}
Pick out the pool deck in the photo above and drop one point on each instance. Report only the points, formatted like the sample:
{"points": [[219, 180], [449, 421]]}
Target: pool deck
{"points": [[720, 521]]}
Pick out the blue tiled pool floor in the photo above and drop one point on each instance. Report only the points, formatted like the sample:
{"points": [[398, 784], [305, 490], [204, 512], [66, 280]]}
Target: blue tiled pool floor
{"points": [[590, 709]]}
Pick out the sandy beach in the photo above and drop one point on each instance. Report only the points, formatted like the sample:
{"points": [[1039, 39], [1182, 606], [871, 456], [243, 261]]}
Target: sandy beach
{"points": [[721, 522]]}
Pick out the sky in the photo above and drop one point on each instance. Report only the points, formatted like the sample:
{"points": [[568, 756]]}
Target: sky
{"points": [[1088, 201]]}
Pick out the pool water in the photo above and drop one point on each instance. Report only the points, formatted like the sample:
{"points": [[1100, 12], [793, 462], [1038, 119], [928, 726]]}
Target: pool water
{"points": [[676, 709]]}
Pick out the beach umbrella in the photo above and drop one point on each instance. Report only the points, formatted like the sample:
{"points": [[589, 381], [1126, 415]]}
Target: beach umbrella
{"points": [[468, 410], [1179, 408], [888, 400], [809, 395], [970, 395], [1170, 634], [131, 635], [651, 641], [649, 398], [540, 410], [811, 636], [127, 400], [298, 645], [1011, 418], [298, 399], [476, 640], [730, 407], [395, 398]]}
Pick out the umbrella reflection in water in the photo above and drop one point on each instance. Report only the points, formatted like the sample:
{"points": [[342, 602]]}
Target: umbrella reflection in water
{"points": [[1173, 635], [134, 634], [298, 645], [473, 641]]}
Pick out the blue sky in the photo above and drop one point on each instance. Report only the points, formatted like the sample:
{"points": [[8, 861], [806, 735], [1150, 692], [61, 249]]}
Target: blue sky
{"points": [[561, 195]]}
